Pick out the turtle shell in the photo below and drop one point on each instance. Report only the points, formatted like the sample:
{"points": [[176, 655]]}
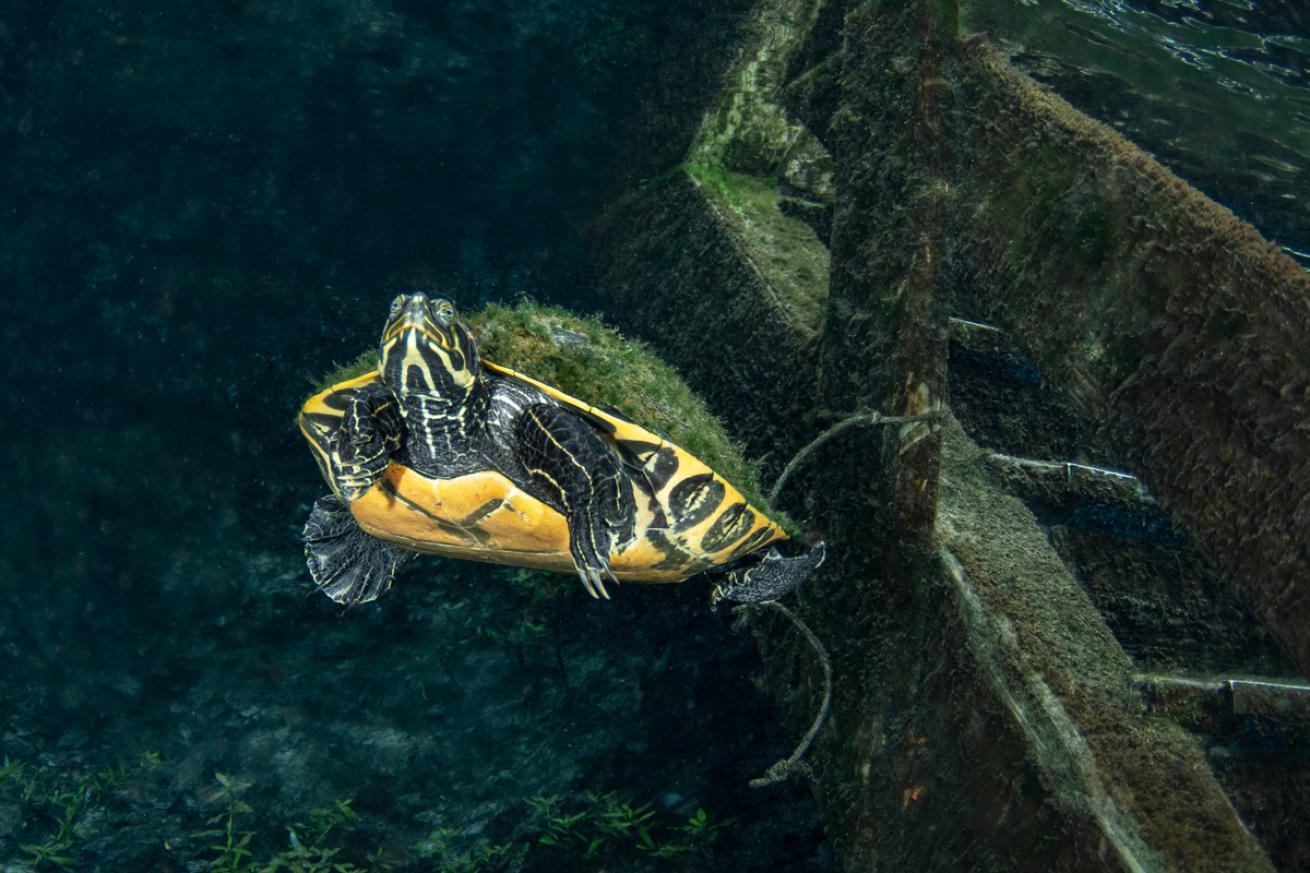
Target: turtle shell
{"points": [[689, 519]]}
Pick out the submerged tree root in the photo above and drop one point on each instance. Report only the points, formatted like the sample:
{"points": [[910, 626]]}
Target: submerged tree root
{"points": [[793, 766], [864, 416]]}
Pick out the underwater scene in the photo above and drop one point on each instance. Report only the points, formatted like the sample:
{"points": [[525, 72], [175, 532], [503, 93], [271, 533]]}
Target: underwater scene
{"points": [[735, 435]]}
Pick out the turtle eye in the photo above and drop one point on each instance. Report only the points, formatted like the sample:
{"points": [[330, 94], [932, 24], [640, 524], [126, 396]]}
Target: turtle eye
{"points": [[445, 311], [395, 307]]}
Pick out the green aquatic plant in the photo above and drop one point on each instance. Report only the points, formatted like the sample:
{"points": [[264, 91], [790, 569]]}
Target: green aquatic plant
{"points": [[308, 859], [584, 827], [703, 832], [65, 799], [49, 853], [233, 848], [378, 859], [622, 820], [307, 851], [605, 821], [590, 826], [440, 847], [559, 829]]}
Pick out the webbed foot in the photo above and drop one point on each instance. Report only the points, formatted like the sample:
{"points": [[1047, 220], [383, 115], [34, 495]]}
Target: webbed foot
{"points": [[347, 564], [768, 578]]}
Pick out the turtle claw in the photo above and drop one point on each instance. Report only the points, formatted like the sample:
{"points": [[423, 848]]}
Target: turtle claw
{"points": [[586, 583], [592, 582], [591, 545]]}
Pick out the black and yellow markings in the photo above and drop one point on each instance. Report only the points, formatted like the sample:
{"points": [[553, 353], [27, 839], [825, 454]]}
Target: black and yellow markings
{"points": [[694, 496], [695, 499], [689, 521], [319, 425], [332, 402], [339, 400], [464, 341], [415, 351], [659, 461], [467, 528], [730, 526], [675, 556], [405, 321], [322, 415], [355, 438], [542, 431], [601, 550], [752, 542], [692, 501], [618, 492], [413, 364], [557, 491], [605, 424]]}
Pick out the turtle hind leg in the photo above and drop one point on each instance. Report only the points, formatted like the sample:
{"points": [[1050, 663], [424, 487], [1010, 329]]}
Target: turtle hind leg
{"points": [[767, 578], [347, 564]]}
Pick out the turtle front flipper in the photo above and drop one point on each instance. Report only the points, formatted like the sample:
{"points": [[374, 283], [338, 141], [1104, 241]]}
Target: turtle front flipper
{"points": [[768, 578], [347, 564], [575, 466], [361, 448]]}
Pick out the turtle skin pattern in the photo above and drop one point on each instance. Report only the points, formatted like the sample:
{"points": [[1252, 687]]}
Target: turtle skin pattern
{"points": [[370, 432], [567, 459]]}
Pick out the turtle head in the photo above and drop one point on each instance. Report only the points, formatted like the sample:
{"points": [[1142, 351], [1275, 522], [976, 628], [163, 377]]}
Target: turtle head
{"points": [[425, 350]]}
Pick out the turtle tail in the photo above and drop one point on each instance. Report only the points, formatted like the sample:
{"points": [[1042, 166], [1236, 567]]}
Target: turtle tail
{"points": [[347, 564]]}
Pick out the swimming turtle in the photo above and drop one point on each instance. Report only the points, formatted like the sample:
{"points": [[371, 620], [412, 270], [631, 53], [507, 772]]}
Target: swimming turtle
{"points": [[442, 451]]}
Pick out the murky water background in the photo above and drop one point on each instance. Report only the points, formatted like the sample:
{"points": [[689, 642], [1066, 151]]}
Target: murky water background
{"points": [[205, 206]]}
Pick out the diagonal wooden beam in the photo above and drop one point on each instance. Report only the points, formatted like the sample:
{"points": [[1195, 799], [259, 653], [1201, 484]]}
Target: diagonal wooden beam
{"points": [[1170, 322]]}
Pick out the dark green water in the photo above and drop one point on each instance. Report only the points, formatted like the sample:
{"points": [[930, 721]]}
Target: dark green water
{"points": [[206, 206], [1217, 90]]}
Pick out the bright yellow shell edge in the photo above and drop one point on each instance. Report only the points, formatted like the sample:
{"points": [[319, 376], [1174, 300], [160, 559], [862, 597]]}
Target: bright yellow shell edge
{"points": [[485, 517]]}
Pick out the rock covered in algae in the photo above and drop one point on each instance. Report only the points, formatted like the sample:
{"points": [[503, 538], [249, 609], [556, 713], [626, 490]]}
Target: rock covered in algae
{"points": [[583, 357]]}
